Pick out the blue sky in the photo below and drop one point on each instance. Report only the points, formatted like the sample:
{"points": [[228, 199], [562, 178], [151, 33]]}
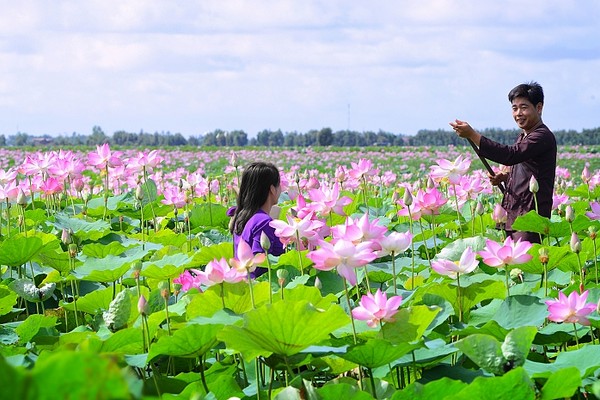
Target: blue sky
{"points": [[196, 66]]}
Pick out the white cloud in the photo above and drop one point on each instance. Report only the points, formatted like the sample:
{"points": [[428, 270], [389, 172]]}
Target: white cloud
{"points": [[191, 67]]}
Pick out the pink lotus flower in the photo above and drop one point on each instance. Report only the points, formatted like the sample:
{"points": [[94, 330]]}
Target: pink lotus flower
{"points": [[173, 196], [218, 271], [361, 230], [362, 168], [466, 264], [187, 281], [9, 191], [499, 214], [297, 228], [450, 170], [595, 213], [246, 260], [375, 308], [511, 253], [570, 309], [104, 157], [147, 161], [51, 186], [344, 255], [325, 200], [8, 175], [429, 201], [395, 242]]}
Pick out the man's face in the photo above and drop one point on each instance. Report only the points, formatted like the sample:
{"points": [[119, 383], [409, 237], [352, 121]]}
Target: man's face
{"points": [[526, 115]]}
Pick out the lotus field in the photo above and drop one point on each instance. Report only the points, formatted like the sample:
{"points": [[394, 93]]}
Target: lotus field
{"points": [[119, 279]]}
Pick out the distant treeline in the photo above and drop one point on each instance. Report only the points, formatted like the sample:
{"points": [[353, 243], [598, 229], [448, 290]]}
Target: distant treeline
{"points": [[268, 138]]}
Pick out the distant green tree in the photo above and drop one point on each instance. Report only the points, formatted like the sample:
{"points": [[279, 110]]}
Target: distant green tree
{"points": [[97, 137], [325, 137]]}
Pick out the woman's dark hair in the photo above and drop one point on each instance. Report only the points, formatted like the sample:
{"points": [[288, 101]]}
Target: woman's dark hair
{"points": [[532, 91], [257, 179]]}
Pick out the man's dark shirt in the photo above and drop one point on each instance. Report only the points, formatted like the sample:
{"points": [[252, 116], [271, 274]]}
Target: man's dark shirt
{"points": [[533, 154]]}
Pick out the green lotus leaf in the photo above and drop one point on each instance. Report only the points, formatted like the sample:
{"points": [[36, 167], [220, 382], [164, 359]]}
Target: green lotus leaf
{"points": [[209, 215], [99, 250], [453, 250], [377, 352], [215, 251], [410, 324], [18, 250], [235, 296], [56, 259], [107, 269], [168, 267], [562, 384], [495, 357], [125, 341], [93, 302], [556, 256], [91, 376], [191, 341], [32, 325], [516, 384], [521, 310], [438, 389], [586, 360], [472, 295], [84, 229], [8, 299], [283, 328]]}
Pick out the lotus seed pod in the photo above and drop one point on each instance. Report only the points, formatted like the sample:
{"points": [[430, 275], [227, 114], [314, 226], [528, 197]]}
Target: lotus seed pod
{"points": [[164, 288], [282, 276], [592, 232], [73, 250], [543, 253]]}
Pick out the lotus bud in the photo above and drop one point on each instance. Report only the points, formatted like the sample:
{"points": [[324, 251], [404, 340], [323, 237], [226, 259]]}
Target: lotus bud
{"points": [[395, 197], [142, 306], [407, 199], [592, 232], [65, 236], [430, 183], [479, 209], [234, 159], [163, 286], [585, 174], [543, 253], [21, 199], [575, 243], [265, 242], [318, 283], [534, 186], [139, 192], [499, 214], [569, 214], [73, 250], [78, 185], [282, 276]]}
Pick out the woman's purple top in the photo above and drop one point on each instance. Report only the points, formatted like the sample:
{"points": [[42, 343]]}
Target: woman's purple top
{"points": [[257, 224]]}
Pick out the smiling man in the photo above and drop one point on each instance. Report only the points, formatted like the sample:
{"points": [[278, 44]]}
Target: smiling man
{"points": [[532, 155]]}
